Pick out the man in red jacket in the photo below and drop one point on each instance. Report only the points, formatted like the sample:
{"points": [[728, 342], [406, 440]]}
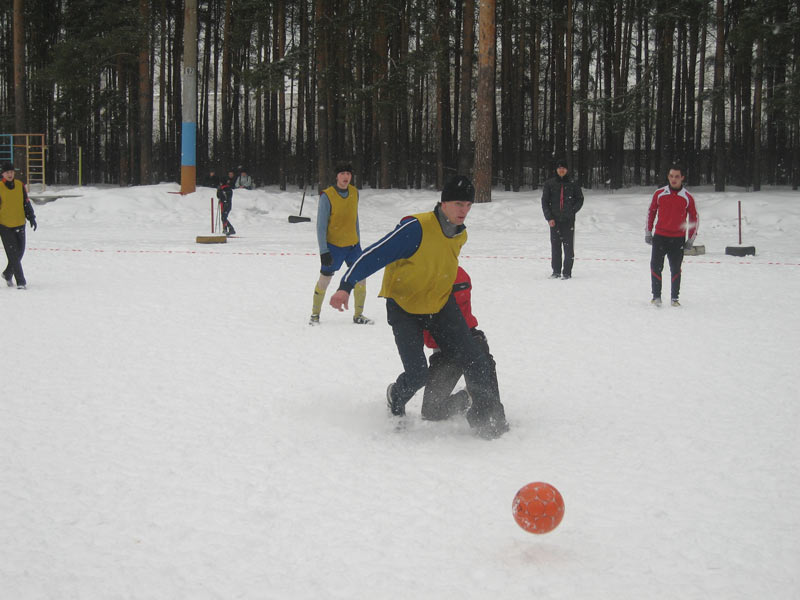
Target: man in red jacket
{"points": [[674, 215], [438, 401]]}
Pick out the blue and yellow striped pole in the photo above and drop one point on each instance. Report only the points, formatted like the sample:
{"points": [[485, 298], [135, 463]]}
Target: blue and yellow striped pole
{"points": [[189, 124]]}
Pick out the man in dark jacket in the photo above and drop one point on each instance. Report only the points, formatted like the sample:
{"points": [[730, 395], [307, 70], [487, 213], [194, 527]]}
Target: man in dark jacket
{"points": [[225, 199], [562, 198]]}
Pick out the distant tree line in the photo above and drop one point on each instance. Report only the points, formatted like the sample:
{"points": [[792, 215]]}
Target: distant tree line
{"points": [[411, 91]]}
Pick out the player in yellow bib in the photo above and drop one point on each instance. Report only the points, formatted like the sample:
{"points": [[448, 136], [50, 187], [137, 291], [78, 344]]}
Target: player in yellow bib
{"points": [[15, 208], [421, 262], [339, 240]]}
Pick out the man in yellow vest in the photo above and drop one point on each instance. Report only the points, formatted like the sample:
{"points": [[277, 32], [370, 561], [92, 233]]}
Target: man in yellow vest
{"points": [[15, 207], [339, 239], [421, 262]]}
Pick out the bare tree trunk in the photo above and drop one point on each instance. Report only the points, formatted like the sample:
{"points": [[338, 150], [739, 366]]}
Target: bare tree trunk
{"points": [[145, 101], [227, 116], [568, 141], [302, 86], [534, 88], [664, 142], [637, 135], [19, 67], [485, 101], [162, 95], [217, 99], [559, 106], [701, 79], [795, 124], [443, 130], [757, 94], [417, 110], [691, 157], [506, 91], [518, 104], [719, 101], [383, 108], [283, 143], [401, 57], [321, 26], [257, 160], [465, 146], [177, 87]]}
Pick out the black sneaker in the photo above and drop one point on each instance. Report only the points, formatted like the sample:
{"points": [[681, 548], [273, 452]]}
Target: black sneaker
{"points": [[314, 320], [9, 281], [395, 407], [555, 276], [566, 276], [362, 320]]}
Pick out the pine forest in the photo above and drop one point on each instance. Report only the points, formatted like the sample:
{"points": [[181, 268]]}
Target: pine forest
{"points": [[409, 91]]}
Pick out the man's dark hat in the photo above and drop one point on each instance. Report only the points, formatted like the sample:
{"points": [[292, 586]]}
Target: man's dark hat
{"points": [[7, 166], [342, 167], [458, 188], [561, 163]]}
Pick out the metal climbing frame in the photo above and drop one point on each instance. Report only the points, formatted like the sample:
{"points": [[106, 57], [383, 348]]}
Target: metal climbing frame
{"points": [[27, 152]]}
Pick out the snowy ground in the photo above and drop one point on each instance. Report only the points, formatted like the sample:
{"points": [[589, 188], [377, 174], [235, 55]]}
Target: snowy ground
{"points": [[172, 428]]}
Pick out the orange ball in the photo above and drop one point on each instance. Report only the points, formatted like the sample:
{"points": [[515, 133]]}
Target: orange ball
{"points": [[538, 507]]}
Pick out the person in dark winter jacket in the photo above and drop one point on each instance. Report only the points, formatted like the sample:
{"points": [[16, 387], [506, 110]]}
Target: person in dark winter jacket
{"points": [[15, 208], [562, 198], [225, 198], [673, 212], [213, 179], [438, 401], [421, 262]]}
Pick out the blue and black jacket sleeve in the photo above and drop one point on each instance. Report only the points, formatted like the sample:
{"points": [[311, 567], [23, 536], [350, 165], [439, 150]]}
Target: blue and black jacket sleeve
{"points": [[400, 243]]}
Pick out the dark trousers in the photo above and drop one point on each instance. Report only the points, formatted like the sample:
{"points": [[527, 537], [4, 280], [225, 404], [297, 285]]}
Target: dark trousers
{"points": [[454, 338], [443, 375], [14, 244], [562, 234], [225, 209], [672, 248]]}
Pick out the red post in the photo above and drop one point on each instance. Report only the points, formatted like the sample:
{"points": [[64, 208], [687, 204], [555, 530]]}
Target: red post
{"points": [[740, 222]]}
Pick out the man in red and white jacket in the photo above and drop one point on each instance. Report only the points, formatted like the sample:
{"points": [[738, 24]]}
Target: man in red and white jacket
{"points": [[438, 401], [674, 215]]}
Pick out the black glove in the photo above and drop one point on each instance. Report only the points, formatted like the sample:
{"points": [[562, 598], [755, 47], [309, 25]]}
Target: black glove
{"points": [[326, 259], [687, 245], [33, 222], [648, 238]]}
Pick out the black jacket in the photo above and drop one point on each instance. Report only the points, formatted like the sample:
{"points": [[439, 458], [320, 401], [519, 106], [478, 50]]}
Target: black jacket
{"points": [[225, 193], [551, 199]]}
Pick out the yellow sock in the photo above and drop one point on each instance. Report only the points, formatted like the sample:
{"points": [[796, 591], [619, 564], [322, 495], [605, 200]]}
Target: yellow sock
{"points": [[360, 296], [319, 296]]}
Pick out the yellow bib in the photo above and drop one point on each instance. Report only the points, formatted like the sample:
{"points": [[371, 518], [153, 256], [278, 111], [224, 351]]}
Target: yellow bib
{"points": [[12, 209], [422, 284], [344, 214]]}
